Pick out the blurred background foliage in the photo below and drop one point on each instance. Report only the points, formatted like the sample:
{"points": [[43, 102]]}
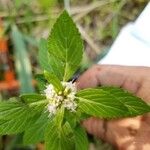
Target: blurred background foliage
{"points": [[24, 22]]}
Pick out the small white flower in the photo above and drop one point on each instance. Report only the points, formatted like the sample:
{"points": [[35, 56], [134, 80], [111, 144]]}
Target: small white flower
{"points": [[59, 98], [70, 86], [52, 108], [70, 105], [49, 91], [65, 98], [71, 96]]}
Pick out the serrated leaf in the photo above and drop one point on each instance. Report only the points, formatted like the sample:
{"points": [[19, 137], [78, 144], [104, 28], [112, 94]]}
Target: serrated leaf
{"points": [[68, 135], [29, 98], [52, 137], [11, 109], [55, 138], [35, 132], [67, 130], [49, 62], [110, 103], [65, 45], [44, 55], [99, 103], [135, 105], [51, 78], [13, 126], [37, 107], [15, 115], [81, 140], [71, 118]]}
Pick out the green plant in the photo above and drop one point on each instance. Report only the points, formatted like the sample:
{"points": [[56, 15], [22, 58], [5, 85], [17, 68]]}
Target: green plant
{"points": [[23, 66], [54, 115]]}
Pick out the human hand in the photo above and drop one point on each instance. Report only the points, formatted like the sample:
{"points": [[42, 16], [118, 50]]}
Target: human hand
{"points": [[128, 133]]}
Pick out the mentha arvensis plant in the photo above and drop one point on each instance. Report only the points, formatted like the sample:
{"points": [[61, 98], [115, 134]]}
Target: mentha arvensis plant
{"points": [[54, 115]]}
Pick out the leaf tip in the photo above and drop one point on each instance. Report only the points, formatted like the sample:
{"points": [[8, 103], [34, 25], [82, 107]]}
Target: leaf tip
{"points": [[65, 13]]}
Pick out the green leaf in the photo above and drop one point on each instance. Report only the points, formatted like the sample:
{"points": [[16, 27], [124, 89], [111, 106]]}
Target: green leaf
{"points": [[135, 105], [41, 81], [29, 98], [52, 137], [68, 135], [51, 78], [58, 120], [110, 103], [14, 126], [67, 130], [81, 140], [40, 77], [22, 62], [44, 56], [35, 132], [15, 115], [38, 107], [71, 118], [57, 67], [49, 63], [12, 109], [56, 139], [65, 46], [57, 135]]}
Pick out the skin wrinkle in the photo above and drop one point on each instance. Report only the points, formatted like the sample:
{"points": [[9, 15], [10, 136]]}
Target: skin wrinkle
{"points": [[135, 80], [132, 131], [130, 85], [144, 90]]}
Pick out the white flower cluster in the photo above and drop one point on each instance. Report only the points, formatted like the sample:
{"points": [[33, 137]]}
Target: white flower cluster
{"points": [[65, 97]]}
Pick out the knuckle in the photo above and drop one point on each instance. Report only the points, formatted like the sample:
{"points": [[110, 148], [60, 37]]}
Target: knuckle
{"points": [[95, 67]]}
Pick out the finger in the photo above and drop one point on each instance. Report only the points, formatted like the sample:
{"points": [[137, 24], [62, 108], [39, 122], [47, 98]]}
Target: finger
{"points": [[109, 75], [95, 126], [89, 78], [120, 132]]}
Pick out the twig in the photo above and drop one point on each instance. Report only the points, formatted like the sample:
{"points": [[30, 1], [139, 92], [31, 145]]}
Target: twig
{"points": [[108, 19], [94, 6], [90, 7], [89, 40], [73, 10], [67, 5], [112, 15], [35, 19]]}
